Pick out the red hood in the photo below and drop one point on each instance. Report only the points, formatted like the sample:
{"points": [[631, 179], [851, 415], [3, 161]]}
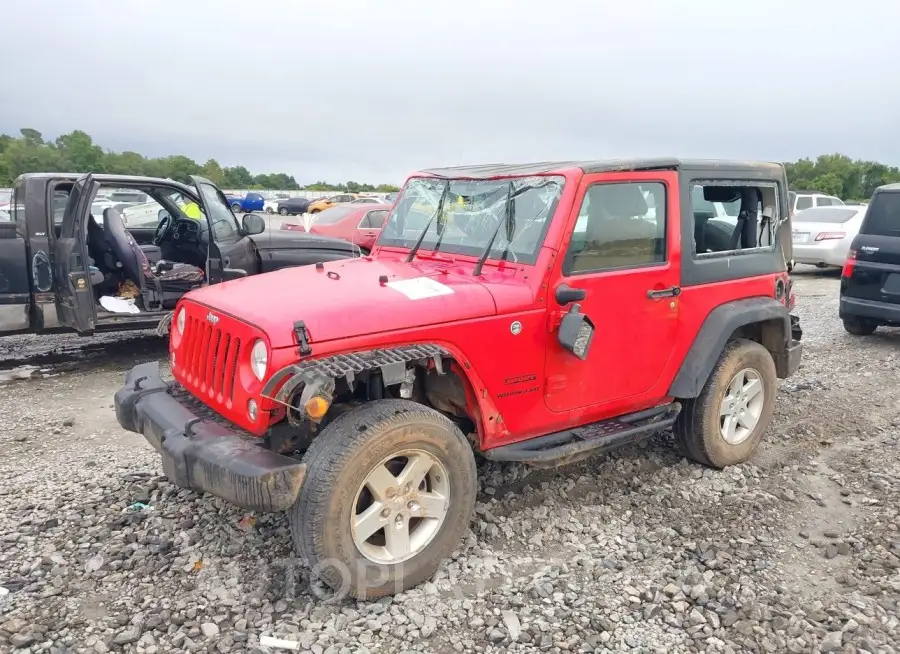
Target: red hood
{"points": [[353, 304]]}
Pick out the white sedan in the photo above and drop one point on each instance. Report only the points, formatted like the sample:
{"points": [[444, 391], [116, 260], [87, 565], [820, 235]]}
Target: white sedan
{"points": [[822, 235]]}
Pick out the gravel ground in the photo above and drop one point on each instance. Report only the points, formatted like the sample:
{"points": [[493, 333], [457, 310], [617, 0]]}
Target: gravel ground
{"points": [[797, 551]]}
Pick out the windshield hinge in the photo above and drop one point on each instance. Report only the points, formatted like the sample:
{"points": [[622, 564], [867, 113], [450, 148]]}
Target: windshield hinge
{"points": [[302, 334]]}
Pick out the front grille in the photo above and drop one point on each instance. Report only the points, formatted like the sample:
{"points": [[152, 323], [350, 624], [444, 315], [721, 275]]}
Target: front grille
{"points": [[209, 359]]}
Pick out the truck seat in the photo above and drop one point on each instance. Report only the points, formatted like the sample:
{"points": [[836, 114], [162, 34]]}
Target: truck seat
{"points": [[165, 282]]}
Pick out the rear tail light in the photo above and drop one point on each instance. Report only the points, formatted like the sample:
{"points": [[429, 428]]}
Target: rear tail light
{"points": [[847, 270], [828, 236]]}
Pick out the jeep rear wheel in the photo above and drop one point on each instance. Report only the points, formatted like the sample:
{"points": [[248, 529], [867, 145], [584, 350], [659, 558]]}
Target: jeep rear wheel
{"points": [[389, 493], [860, 326], [724, 425]]}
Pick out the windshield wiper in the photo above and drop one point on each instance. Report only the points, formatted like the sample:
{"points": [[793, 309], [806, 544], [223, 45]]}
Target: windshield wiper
{"points": [[507, 214], [510, 196], [440, 208]]}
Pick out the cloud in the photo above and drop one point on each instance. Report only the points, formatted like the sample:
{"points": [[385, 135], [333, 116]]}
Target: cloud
{"points": [[372, 91]]}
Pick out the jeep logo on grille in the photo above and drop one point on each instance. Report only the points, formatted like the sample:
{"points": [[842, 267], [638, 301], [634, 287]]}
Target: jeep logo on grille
{"points": [[211, 318]]}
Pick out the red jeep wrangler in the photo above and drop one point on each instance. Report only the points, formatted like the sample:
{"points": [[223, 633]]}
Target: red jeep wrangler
{"points": [[535, 313]]}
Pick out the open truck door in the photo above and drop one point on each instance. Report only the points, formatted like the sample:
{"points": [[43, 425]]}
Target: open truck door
{"points": [[232, 253], [71, 266]]}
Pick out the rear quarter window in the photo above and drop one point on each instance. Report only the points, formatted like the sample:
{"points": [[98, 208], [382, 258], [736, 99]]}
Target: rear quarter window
{"points": [[883, 215], [825, 215], [804, 202]]}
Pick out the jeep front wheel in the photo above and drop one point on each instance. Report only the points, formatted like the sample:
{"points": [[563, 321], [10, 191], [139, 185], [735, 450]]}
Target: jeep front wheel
{"points": [[389, 493], [724, 425]]}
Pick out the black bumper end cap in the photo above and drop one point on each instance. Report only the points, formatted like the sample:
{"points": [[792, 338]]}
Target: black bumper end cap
{"points": [[205, 456]]}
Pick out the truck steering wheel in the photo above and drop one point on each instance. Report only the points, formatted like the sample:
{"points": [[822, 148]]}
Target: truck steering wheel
{"points": [[163, 229]]}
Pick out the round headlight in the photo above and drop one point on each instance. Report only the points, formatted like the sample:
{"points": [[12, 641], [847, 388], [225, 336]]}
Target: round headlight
{"points": [[259, 359], [179, 321]]}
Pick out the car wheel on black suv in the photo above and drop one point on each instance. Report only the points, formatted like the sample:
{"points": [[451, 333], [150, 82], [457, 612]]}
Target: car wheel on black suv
{"points": [[725, 423], [860, 326]]}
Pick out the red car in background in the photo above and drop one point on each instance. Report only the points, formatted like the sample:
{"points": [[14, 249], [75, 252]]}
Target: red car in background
{"points": [[358, 223]]}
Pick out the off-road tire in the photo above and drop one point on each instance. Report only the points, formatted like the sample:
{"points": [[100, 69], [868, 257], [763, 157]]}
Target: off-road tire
{"points": [[338, 461], [697, 428], [860, 326]]}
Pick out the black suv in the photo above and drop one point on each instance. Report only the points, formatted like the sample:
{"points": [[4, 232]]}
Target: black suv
{"points": [[870, 280]]}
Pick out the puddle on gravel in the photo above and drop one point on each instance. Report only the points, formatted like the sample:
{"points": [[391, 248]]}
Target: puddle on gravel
{"points": [[21, 372]]}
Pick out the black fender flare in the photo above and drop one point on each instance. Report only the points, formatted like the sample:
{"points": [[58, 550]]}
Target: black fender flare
{"points": [[714, 334], [391, 362]]}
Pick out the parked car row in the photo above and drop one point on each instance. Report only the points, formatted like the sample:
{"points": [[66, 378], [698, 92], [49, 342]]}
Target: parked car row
{"points": [[297, 206], [359, 223], [800, 200]]}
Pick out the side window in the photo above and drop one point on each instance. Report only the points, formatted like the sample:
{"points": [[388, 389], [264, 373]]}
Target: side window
{"points": [[619, 225], [822, 201], [374, 220], [803, 202], [17, 205], [717, 210]]}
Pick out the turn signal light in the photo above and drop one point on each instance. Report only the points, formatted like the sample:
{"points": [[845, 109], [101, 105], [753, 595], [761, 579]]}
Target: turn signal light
{"points": [[316, 407], [828, 236], [847, 270]]}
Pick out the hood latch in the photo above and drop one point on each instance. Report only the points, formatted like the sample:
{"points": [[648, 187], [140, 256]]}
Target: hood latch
{"points": [[302, 334]]}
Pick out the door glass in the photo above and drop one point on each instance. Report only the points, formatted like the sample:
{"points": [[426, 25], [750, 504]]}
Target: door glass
{"points": [[222, 222], [619, 226], [375, 219], [823, 202]]}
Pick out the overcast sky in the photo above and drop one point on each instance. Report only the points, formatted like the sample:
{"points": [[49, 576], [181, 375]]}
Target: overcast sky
{"points": [[371, 91]]}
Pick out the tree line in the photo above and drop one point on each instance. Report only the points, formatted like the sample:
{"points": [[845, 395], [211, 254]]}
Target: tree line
{"points": [[30, 152], [839, 175], [834, 174]]}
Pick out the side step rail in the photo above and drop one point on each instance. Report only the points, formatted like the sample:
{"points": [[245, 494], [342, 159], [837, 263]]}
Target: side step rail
{"points": [[564, 447]]}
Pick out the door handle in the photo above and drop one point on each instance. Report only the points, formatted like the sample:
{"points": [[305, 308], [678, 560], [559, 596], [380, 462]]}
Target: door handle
{"points": [[672, 291]]}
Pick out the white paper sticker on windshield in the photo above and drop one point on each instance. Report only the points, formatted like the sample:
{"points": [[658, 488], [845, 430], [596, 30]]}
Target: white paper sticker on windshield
{"points": [[420, 288]]}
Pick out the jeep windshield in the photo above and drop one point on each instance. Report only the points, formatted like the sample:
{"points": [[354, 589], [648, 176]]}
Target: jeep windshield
{"points": [[471, 211]]}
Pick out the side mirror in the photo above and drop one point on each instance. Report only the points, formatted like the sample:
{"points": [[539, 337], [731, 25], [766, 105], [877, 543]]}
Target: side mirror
{"points": [[233, 273], [576, 332], [253, 224], [565, 294]]}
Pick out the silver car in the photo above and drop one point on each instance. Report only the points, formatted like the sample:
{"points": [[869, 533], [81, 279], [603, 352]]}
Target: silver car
{"points": [[822, 235]]}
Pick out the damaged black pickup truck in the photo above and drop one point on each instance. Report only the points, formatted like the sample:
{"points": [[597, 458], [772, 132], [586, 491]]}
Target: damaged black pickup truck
{"points": [[73, 258]]}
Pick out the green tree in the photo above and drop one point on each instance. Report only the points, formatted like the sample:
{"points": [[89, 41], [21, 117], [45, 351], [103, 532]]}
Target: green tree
{"points": [[829, 183], [325, 186], [213, 172], [77, 152], [238, 177], [31, 136]]}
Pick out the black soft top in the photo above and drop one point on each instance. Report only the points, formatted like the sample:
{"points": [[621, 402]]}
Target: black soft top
{"points": [[487, 171]]}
